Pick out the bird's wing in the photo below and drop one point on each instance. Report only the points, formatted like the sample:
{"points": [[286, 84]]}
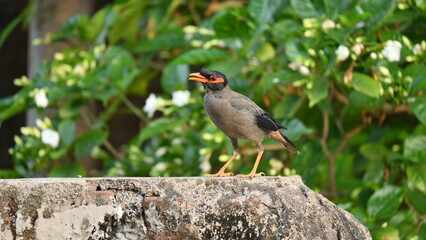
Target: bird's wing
{"points": [[263, 119]]}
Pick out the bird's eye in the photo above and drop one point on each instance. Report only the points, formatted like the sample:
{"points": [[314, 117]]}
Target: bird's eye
{"points": [[212, 77]]}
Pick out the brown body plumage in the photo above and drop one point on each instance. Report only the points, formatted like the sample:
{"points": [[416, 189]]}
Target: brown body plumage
{"points": [[238, 117]]}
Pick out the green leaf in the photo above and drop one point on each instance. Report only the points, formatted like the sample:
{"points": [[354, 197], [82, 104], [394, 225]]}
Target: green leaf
{"points": [[294, 49], [71, 28], [296, 129], [266, 52], [418, 106], [373, 151], [6, 173], [262, 10], [311, 156], [232, 24], [418, 199], [405, 221], [285, 29], [155, 128], [345, 178], [11, 106], [318, 92], [304, 8], [67, 130], [9, 28], [165, 41], [276, 78], [379, 9], [95, 26], [384, 202], [174, 77], [125, 25], [71, 109], [231, 67], [360, 101], [417, 74], [332, 8], [422, 230], [415, 148], [197, 56], [366, 85], [120, 67], [417, 176], [374, 173], [88, 141], [73, 169], [388, 233], [288, 106]]}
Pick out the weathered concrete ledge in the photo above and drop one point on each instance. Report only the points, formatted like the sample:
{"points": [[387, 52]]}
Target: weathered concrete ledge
{"points": [[170, 208]]}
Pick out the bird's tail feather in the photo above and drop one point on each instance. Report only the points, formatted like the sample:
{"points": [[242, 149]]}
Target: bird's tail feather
{"points": [[289, 144], [280, 137]]}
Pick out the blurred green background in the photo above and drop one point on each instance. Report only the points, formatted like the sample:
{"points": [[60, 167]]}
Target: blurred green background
{"points": [[346, 77]]}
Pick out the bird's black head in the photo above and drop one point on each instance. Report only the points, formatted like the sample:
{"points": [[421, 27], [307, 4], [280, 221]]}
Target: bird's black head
{"points": [[214, 80]]}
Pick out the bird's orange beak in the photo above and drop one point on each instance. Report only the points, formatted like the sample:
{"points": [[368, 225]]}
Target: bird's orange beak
{"points": [[200, 78], [197, 77]]}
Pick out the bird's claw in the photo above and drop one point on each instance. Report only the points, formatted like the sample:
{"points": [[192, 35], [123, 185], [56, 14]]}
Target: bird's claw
{"points": [[220, 174], [251, 175]]}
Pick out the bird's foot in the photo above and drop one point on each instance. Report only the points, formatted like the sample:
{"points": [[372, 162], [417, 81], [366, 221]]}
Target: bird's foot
{"points": [[220, 174], [251, 175]]}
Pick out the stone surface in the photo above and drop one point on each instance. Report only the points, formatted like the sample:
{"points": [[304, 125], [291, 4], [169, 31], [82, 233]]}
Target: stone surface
{"points": [[170, 208]]}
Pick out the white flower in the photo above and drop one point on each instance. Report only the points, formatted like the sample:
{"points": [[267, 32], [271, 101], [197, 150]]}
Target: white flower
{"points": [[392, 51], [190, 29], [161, 151], [342, 53], [196, 43], [417, 49], [384, 71], [304, 70], [79, 70], [357, 48], [181, 98], [39, 123], [373, 55], [294, 65], [206, 31], [328, 24], [177, 141], [160, 167], [42, 124], [205, 166], [41, 99], [298, 66], [151, 104], [50, 137], [360, 25], [359, 9]]}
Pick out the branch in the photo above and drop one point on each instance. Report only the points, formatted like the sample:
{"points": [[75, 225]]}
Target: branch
{"points": [[418, 214], [90, 119], [111, 149], [332, 156], [339, 96], [134, 109]]}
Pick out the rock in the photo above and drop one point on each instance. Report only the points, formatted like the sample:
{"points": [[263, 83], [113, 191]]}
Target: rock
{"points": [[170, 208]]}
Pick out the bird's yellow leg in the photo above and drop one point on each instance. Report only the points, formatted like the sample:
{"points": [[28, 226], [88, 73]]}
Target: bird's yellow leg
{"points": [[221, 172], [253, 171]]}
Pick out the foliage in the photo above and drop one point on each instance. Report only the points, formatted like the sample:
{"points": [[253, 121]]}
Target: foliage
{"points": [[346, 77]]}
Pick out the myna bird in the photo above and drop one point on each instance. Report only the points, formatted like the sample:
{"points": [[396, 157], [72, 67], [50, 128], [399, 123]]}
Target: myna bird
{"points": [[238, 117]]}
